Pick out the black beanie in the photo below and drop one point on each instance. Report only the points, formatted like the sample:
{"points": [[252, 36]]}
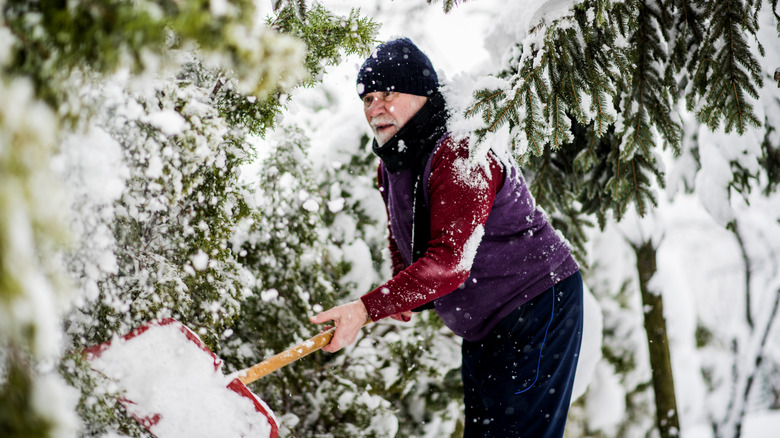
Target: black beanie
{"points": [[399, 66]]}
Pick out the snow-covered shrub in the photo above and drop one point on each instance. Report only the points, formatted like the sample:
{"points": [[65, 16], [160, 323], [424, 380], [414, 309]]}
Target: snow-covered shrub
{"points": [[33, 290], [172, 221], [283, 243], [150, 142]]}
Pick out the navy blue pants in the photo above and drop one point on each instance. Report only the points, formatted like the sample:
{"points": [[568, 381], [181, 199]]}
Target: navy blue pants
{"points": [[518, 380]]}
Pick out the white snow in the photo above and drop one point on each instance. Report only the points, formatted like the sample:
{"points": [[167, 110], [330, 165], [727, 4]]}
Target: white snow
{"points": [[590, 351], [700, 271], [200, 261], [54, 400], [164, 373], [606, 401], [311, 205], [168, 121], [470, 249]]}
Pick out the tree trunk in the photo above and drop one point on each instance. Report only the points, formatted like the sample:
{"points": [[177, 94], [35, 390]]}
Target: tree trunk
{"points": [[667, 419]]}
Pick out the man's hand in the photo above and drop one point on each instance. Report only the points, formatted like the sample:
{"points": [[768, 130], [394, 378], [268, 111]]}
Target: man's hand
{"points": [[403, 316], [348, 319]]}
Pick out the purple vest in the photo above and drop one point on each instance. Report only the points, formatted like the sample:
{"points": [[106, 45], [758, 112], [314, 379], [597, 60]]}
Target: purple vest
{"points": [[520, 255]]}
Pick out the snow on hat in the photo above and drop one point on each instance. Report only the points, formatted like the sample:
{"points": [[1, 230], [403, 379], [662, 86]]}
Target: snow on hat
{"points": [[399, 66]]}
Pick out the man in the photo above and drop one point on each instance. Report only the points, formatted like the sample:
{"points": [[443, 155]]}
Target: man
{"points": [[467, 240]]}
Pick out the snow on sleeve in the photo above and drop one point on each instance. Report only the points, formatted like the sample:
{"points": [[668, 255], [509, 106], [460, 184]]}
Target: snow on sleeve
{"points": [[467, 172], [470, 249], [168, 376]]}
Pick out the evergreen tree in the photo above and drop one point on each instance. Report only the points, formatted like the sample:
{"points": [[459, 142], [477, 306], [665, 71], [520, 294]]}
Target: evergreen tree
{"points": [[749, 378], [171, 93], [587, 97], [591, 100]]}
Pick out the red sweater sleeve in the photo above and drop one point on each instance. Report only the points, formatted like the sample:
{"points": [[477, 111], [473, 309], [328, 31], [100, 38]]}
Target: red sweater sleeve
{"points": [[460, 201]]}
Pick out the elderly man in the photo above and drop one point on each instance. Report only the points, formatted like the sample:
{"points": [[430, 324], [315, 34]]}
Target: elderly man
{"points": [[467, 240]]}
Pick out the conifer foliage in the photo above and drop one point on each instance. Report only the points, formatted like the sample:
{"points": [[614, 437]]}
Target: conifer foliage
{"points": [[124, 129], [727, 71], [590, 99], [594, 97]]}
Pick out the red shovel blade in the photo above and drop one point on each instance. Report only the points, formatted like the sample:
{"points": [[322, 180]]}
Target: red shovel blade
{"points": [[175, 387]]}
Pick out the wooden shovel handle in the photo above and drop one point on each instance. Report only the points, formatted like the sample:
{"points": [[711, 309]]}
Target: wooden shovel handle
{"points": [[286, 357]]}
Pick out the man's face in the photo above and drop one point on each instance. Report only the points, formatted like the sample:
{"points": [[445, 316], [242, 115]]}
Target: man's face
{"points": [[388, 111]]}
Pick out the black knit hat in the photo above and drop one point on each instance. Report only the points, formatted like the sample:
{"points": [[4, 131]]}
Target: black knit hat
{"points": [[399, 66]]}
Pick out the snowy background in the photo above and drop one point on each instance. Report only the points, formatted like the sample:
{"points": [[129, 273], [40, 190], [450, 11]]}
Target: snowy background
{"points": [[701, 270], [718, 251]]}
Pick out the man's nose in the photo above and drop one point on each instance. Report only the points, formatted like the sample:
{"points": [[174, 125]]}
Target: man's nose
{"points": [[377, 107]]}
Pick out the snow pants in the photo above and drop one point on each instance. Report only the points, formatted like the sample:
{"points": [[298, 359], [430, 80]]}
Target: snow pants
{"points": [[518, 380]]}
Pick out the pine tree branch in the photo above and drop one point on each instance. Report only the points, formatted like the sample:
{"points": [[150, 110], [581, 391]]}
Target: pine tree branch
{"points": [[501, 117], [633, 66], [577, 106], [589, 157], [484, 101], [560, 124], [639, 203], [530, 120], [730, 72]]}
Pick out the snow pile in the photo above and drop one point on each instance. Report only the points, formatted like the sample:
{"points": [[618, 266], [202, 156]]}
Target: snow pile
{"points": [[175, 386], [518, 23]]}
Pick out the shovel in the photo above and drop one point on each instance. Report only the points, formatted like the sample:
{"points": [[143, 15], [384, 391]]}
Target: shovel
{"points": [[175, 388], [262, 369]]}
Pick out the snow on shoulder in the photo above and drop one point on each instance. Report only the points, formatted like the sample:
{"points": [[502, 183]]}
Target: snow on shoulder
{"points": [[175, 387], [470, 167]]}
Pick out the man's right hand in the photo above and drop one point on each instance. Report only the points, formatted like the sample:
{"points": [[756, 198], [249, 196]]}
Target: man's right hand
{"points": [[348, 319]]}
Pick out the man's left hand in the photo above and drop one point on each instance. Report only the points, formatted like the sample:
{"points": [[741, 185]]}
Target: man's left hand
{"points": [[348, 319], [403, 316]]}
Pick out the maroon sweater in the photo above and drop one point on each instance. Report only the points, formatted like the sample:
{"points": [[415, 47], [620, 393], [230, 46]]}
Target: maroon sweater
{"points": [[519, 255]]}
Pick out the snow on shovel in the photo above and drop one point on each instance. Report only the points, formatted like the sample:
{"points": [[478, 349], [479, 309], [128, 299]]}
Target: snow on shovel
{"points": [[174, 386]]}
